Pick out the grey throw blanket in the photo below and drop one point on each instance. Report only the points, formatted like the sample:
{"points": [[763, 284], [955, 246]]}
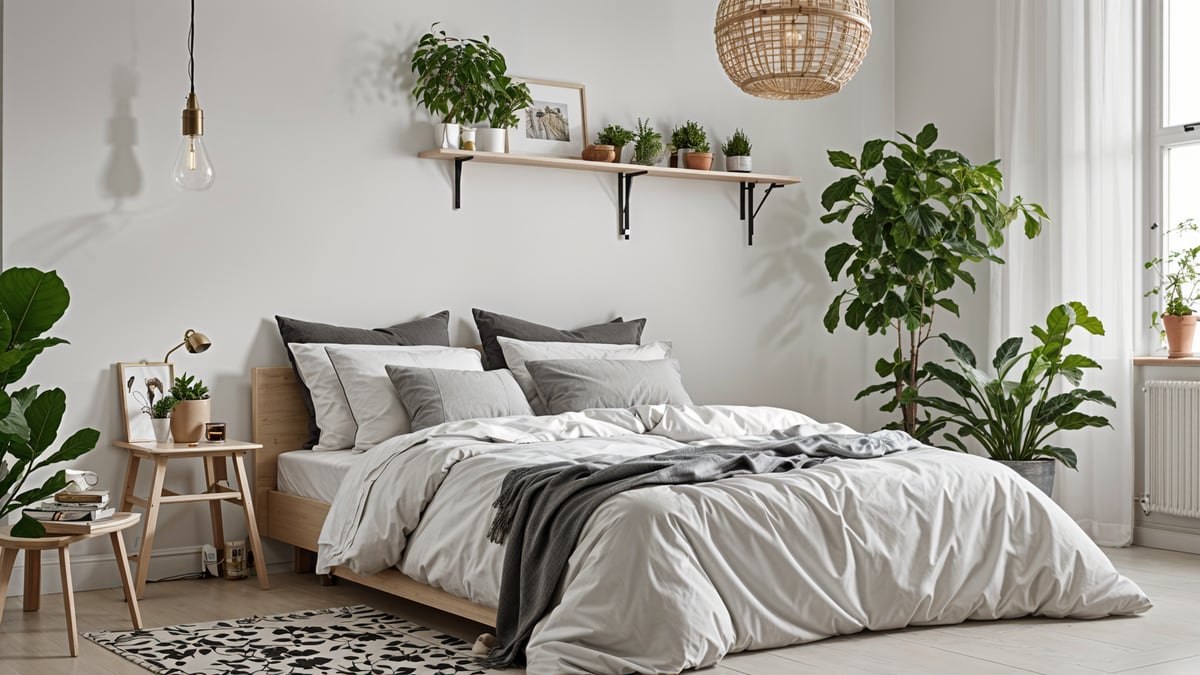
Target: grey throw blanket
{"points": [[542, 509]]}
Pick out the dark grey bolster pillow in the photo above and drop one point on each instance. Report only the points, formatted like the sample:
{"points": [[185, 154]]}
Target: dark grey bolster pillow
{"points": [[571, 385], [432, 330], [435, 395], [492, 325]]}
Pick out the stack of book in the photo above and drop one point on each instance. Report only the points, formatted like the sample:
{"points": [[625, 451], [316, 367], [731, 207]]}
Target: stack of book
{"points": [[82, 506]]}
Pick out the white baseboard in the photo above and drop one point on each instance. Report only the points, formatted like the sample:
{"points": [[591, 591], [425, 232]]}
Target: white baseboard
{"points": [[99, 571], [1166, 537]]}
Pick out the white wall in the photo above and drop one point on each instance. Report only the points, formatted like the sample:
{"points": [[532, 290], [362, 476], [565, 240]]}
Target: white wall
{"points": [[322, 211]]}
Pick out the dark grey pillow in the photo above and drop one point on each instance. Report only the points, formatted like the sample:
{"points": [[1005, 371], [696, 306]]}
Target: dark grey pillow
{"points": [[432, 330], [571, 385], [492, 325], [436, 395]]}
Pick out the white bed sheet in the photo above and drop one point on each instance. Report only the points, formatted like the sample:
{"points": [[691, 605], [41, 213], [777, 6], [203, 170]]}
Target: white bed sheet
{"points": [[314, 474]]}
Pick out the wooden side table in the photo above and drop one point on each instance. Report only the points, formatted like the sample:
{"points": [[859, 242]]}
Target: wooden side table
{"points": [[215, 456], [60, 536]]}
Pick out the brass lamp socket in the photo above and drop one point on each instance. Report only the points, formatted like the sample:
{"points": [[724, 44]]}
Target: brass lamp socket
{"points": [[193, 117]]}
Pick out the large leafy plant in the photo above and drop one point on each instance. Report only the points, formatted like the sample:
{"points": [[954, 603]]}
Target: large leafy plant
{"points": [[31, 302], [1178, 274], [504, 99], [1012, 414], [457, 77], [918, 215]]}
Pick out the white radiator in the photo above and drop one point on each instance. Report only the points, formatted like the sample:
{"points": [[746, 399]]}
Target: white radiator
{"points": [[1172, 474]]}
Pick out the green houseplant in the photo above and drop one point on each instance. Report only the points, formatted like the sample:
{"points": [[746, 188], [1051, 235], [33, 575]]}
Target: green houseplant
{"points": [[648, 144], [916, 214], [31, 302], [192, 409], [504, 99], [616, 136], [1178, 285], [684, 140], [736, 149], [454, 80], [160, 417], [1012, 413]]}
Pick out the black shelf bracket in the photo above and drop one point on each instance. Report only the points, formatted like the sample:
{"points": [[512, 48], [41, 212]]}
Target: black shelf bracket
{"points": [[624, 186], [458, 162], [749, 210]]}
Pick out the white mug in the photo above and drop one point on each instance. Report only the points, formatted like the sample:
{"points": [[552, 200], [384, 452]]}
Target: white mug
{"points": [[77, 481]]}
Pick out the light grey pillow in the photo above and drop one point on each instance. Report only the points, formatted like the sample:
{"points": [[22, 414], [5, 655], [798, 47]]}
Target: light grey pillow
{"points": [[569, 385], [435, 395]]}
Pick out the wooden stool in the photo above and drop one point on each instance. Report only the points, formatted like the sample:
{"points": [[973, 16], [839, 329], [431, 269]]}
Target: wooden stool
{"points": [[60, 536]]}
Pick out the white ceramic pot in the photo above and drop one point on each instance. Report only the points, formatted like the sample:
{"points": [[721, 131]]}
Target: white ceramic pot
{"points": [[738, 164], [446, 135], [491, 140], [467, 138], [162, 428]]}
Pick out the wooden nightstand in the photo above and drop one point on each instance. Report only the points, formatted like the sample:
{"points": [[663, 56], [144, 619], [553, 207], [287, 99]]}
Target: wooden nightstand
{"points": [[60, 536], [215, 471]]}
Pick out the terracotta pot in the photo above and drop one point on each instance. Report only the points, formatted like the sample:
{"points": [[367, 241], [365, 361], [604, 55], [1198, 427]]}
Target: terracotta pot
{"points": [[599, 153], [187, 420], [1040, 472], [617, 149], [701, 161], [738, 164], [1180, 331]]}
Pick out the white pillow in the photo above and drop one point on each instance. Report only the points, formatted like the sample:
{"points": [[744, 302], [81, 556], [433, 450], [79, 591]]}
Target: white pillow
{"points": [[518, 352], [362, 370], [329, 401]]}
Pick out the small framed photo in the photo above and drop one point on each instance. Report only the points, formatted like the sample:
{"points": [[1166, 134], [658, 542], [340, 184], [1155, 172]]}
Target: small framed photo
{"points": [[142, 384], [556, 123]]}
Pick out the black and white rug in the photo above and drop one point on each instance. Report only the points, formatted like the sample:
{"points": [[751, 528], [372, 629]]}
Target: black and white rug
{"points": [[355, 639]]}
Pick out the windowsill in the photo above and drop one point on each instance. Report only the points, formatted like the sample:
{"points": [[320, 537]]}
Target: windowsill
{"points": [[1190, 362]]}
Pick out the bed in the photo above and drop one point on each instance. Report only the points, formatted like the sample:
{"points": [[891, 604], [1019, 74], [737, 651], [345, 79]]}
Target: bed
{"points": [[922, 538]]}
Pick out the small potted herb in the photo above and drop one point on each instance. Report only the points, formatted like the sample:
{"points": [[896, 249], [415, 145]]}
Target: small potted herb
{"points": [[191, 409], [1179, 283], [736, 149], [700, 158], [616, 136], [455, 79], [688, 139], [160, 417], [648, 144]]}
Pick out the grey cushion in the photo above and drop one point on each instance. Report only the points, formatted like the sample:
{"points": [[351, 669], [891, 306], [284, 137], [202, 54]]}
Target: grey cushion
{"points": [[492, 325], [571, 385], [432, 330], [435, 395]]}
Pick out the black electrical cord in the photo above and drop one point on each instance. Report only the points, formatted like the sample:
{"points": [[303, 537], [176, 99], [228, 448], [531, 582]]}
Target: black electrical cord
{"points": [[191, 48]]}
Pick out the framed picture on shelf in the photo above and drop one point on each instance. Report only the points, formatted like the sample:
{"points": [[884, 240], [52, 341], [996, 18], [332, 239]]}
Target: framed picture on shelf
{"points": [[556, 123], [142, 384]]}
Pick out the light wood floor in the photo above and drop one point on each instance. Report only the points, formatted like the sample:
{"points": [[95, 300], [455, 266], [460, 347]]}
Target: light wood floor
{"points": [[1166, 640]]}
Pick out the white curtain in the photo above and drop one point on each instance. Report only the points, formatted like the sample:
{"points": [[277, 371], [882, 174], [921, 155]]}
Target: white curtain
{"points": [[1069, 134]]}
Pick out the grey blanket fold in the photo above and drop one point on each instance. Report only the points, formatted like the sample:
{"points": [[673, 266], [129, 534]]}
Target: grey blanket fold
{"points": [[542, 509]]}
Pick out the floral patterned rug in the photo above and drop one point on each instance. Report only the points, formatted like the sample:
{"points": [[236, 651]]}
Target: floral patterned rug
{"points": [[356, 639]]}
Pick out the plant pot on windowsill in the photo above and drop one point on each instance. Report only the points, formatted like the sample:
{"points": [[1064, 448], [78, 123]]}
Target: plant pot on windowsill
{"points": [[1040, 472], [1181, 331]]}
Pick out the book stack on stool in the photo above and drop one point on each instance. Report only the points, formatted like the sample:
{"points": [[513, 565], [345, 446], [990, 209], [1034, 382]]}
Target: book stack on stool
{"points": [[74, 507]]}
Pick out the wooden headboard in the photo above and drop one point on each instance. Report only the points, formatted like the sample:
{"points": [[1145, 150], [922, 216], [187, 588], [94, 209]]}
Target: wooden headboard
{"points": [[280, 424]]}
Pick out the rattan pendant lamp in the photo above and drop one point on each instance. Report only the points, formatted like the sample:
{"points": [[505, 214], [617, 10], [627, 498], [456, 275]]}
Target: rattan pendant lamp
{"points": [[792, 49]]}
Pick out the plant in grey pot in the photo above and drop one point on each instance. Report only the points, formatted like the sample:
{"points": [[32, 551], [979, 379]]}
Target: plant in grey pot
{"points": [[736, 149], [1013, 414], [454, 78], [192, 409], [160, 417]]}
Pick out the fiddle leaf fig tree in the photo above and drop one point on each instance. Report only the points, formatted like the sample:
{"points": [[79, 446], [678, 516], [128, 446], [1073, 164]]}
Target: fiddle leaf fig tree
{"points": [[918, 215], [31, 302]]}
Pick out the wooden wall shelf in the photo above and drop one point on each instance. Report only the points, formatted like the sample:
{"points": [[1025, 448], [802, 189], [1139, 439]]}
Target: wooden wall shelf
{"points": [[625, 174]]}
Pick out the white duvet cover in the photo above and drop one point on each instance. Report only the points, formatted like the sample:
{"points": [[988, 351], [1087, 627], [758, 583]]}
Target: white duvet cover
{"points": [[674, 577]]}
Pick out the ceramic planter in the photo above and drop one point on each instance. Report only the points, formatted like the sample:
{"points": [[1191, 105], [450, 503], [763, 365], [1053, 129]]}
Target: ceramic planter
{"points": [[187, 420], [599, 153], [740, 164], [617, 153], [1180, 332], [446, 136], [162, 428], [491, 140], [468, 138], [700, 161], [1040, 472]]}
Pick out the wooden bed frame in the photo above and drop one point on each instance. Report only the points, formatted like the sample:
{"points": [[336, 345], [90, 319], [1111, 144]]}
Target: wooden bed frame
{"points": [[280, 424]]}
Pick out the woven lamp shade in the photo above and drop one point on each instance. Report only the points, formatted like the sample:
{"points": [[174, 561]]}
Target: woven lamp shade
{"points": [[792, 49]]}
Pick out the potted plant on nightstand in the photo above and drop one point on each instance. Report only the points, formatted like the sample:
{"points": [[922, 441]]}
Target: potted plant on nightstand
{"points": [[453, 80], [505, 97], [1014, 418], [648, 144], [31, 302], [192, 409], [736, 149], [616, 136], [160, 417], [1178, 283]]}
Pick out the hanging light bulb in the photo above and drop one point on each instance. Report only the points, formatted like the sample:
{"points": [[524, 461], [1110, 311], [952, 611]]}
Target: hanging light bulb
{"points": [[193, 170]]}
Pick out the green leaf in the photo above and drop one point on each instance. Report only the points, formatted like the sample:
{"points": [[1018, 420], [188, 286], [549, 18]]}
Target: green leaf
{"points": [[33, 300], [1075, 420], [872, 153], [44, 416], [961, 351], [911, 262], [16, 473], [875, 389], [884, 368], [856, 313], [5, 329], [53, 484], [927, 137], [967, 278], [1044, 413], [948, 406], [838, 191], [836, 258], [1067, 457], [1095, 395], [28, 528], [14, 428], [834, 313], [842, 160], [1008, 351], [1077, 361], [77, 444], [950, 305]]}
